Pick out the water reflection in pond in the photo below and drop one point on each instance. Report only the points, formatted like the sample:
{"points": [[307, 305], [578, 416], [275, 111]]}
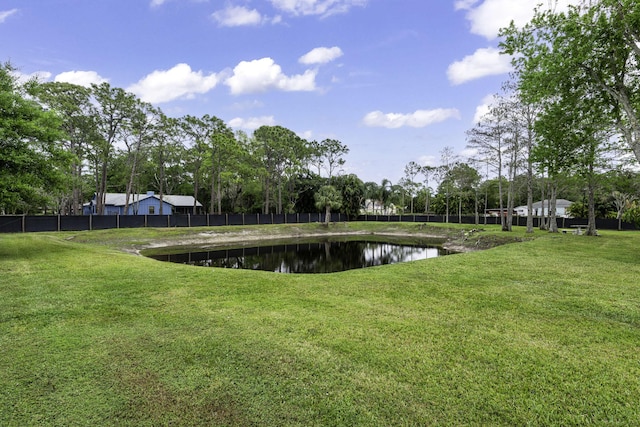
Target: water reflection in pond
{"points": [[315, 257]]}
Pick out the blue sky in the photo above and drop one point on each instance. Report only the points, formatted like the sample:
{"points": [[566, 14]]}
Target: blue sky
{"points": [[394, 80]]}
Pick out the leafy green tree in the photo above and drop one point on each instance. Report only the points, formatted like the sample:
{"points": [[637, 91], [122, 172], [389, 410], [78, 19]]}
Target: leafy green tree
{"points": [[222, 145], [327, 198], [427, 173], [572, 132], [353, 194], [411, 170], [137, 136], [114, 110], [327, 155], [72, 104], [461, 181], [32, 162], [165, 161], [632, 214], [591, 51], [622, 202], [448, 160], [196, 133], [283, 155], [492, 138]]}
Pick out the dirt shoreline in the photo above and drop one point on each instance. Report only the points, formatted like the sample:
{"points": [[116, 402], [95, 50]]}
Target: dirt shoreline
{"points": [[213, 239]]}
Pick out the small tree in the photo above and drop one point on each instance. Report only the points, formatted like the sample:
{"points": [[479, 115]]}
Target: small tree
{"points": [[328, 198], [622, 202]]}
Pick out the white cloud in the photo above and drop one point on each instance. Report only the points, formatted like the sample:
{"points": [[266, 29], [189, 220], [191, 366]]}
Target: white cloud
{"points": [[177, 82], [40, 76], [252, 122], [488, 17], [307, 134], [81, 78], [464, 4], [6, 13], [418, 119], [237, 16], [484, 62], [155, 3], [316, 7], [484, 107], [469, 153], [321, 55], [428, 160], [263, 74]]}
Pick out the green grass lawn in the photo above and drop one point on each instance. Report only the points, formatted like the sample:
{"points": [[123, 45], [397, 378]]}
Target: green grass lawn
{"points": [[543, 332]]}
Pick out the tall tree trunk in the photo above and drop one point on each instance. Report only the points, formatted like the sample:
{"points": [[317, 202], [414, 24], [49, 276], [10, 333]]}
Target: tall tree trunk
{"points": [[279, 206], [212, 201], [77, 191], [510, 189], [100, 199], [486, 203], [134, 163], [500, 194], [447, 204], [591, 223], [426, 202], [161, 182], [553, 223], [508, 220], [529, 196], [543, 215], [267, 195], [219, 193], [476, 207], [196, 189]]}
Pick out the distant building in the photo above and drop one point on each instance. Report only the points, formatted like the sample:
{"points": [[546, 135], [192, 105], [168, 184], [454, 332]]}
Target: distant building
{"points": [[375, 207], [562, 208], [496, 212], [143, 204]]}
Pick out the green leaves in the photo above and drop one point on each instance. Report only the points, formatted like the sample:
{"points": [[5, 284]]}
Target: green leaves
{"points": [[590, 52], [31, 160]]}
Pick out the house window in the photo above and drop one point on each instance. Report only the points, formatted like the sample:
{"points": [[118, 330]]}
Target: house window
{"points": [[152, 210]]}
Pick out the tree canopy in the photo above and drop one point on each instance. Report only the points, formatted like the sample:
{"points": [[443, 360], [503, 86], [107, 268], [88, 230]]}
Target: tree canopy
{"points": [[31, 164], [591, 51]]}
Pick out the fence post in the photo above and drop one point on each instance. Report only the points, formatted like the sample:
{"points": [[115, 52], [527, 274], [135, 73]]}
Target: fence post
{"points": [[58, 222], [117, 221], [24, 223]]}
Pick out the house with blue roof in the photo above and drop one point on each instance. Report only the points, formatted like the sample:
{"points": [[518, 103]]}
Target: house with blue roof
{"points": [[143, 204]]}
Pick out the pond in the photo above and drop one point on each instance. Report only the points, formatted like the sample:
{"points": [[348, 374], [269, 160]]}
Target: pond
{"points": [[326, 256]]}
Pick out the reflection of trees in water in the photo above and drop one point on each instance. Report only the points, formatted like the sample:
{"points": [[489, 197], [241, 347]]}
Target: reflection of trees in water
{"points": [[320, 257]]}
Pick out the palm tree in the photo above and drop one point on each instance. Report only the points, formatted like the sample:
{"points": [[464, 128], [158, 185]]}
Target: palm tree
{"points": [[385, 193], [328, 198]]}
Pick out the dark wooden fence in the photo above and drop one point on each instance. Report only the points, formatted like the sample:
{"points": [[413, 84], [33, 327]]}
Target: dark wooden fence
{"points": [[601, 223], [28, 223]]}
